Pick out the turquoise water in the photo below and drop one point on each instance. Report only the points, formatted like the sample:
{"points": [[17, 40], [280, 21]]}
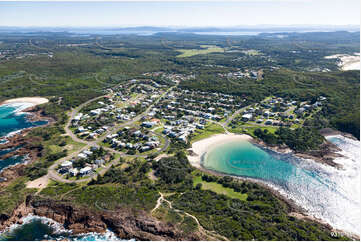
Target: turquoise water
{"points": [[324, 191], [11, 121], [11, 160]]}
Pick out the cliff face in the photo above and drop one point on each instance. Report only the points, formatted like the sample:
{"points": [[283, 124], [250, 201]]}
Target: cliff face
{"points": [[126, 223]]}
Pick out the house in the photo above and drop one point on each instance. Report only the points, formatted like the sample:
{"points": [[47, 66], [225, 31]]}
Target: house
{"points": [[82, 156], [246, 117], [87, 152], [95, 112], [129, 145], [99, 162], [148, 124], [73, 171], [200, 126], [300, 111], [81, 129], [183, 138], [85, 171], [152, 144], [145, 148], [307, 106], [66, 164], [78, 117]]}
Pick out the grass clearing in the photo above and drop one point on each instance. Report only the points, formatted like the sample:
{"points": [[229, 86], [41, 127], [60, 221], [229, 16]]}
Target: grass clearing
{"points": [[206, 50], [218, 188], [209, 130]]}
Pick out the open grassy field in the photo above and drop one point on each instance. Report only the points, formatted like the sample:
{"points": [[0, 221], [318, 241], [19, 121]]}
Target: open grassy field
{"points": [[206, 50], [209, 130], [218, 188]]}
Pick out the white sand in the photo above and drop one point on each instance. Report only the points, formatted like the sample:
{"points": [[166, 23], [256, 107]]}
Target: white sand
{"points": [[33, 100], [202, 146], [347, 62]]}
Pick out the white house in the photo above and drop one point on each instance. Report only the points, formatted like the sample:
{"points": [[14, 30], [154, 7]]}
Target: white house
{"points": [[246, 117], [85, 171], [73, 171]]}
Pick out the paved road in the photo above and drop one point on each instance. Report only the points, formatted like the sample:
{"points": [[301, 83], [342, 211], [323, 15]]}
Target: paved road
{"points": [[230, 118], [53, 174], [73, 113]]}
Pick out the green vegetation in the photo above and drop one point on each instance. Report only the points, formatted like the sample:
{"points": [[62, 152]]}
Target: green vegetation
{"points": [[300, 139], [237, 210], [218, 188], [209, 130], [13, 195], [261, 218], [58, 190], [111, 197], [205, 49]]}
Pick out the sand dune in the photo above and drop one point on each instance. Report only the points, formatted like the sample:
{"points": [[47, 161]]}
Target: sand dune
{"points": [[347, 62]]}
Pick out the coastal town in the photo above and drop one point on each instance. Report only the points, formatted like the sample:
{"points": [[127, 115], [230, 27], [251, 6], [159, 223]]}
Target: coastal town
{"points": [[142, 117], [191, 134]]}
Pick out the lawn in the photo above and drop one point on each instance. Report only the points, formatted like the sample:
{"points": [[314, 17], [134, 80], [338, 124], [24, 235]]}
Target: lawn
{"points": [[209, 130], [218, 188], [73, 145], [206, 50]]}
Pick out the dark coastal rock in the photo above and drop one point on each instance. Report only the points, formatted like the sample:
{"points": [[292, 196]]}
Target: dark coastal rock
{"points": [[125, 223]]}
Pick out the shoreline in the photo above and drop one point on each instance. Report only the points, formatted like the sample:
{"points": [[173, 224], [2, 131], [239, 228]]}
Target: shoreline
{"points": [[294, 210], [18, 137], [32, 100], [200, 148], [347, 62]]}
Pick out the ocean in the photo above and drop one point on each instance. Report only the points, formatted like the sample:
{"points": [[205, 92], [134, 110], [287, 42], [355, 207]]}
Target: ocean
{"points": [[325, 192], [12, 120], [35, 228]]}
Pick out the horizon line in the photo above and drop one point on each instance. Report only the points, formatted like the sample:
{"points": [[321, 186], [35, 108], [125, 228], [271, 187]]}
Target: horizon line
{"points": [[182, 26]]}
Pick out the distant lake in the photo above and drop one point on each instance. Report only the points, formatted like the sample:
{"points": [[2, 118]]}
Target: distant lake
{"points": [[324, 191]]}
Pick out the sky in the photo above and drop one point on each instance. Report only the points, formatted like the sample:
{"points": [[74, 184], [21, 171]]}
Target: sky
{"points": [[186, 13]]}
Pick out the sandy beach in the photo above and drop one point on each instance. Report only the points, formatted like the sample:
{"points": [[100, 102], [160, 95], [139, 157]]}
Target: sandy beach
{"points": [[204, 145], [33, 100], [347, 62]]}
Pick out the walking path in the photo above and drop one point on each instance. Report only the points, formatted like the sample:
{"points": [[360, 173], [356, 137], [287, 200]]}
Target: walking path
{"points": [[211, 234]]}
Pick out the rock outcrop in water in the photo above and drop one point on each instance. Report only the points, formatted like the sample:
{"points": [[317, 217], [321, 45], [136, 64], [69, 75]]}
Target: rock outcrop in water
{"points": [[126, 223]]}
